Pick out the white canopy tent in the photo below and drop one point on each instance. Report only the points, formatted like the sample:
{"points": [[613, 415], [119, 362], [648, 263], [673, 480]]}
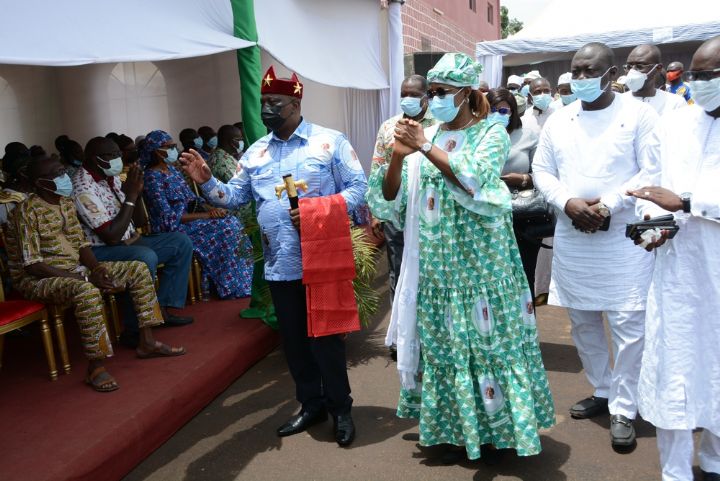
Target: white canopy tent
{"points": [[566, 25], [85, 68]]}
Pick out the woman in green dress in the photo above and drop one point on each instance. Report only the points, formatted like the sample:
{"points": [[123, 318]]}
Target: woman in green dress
{"points": [[464, 290]]}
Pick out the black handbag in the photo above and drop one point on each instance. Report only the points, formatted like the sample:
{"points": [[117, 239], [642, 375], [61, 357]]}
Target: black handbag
{"points": [[534, 218]]}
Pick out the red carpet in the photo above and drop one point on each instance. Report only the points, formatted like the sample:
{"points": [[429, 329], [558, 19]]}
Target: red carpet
{"points": [[64, 430]]}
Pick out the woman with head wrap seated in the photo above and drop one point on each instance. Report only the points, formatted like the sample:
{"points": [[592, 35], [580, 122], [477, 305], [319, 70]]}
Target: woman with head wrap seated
{"points": [[462, 298], [173, 206]]}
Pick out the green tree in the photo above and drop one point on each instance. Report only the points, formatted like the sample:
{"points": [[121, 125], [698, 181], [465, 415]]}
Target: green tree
{"points": [[508, 26]]}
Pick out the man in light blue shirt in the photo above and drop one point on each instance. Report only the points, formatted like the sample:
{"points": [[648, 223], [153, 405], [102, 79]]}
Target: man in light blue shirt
{"points": [[326, 161]]}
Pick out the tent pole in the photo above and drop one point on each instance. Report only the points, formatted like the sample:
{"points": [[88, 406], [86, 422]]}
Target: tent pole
{"points": [[249, 67]]}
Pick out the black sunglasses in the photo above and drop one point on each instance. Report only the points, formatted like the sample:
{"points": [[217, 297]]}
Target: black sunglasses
{"points": [[440, 92], [690, 75]]}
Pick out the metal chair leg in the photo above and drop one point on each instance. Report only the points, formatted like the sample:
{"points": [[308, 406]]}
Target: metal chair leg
{"points": [[114, 316], [192, 288], [49, 352], [197, 272], [57, 316]]}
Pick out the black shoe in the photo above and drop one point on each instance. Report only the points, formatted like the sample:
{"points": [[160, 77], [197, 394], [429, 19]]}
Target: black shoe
{"points": [[175, 321], [589, 407], [301, 421], [710, 476], [130, 339], [622, 431], [344, 430]]}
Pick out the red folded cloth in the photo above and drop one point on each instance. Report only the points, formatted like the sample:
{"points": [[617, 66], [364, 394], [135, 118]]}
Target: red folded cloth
{"points": [[328, 266]]}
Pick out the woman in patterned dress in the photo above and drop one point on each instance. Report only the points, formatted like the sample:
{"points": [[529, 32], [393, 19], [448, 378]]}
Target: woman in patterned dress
{"points": [[217, 238], [484, 385]]}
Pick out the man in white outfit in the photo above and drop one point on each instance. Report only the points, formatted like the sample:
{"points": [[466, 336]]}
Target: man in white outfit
{"points": [[680, 377], [589, 155], [541, 96], [644, 64]]}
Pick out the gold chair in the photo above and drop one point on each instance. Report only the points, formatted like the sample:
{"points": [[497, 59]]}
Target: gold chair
{"points": [[15, 314]]}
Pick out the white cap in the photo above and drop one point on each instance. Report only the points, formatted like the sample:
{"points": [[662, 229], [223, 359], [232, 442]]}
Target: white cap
{"points": [[564, 78], [532, 75], [515, 79], [621, 79]]}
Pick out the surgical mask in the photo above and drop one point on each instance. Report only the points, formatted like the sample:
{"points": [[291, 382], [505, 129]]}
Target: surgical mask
{"points": [[115, 168], [172, 155], [521, 103], [63, 185], [411, 106], [525, 90], [212, 143], [241, 146], [498, 118], [588, 89], [271, 117], [75, 162], [635, 79], [568, 99], [444, 109], [706, 93], [542, 101], [198, 141]]}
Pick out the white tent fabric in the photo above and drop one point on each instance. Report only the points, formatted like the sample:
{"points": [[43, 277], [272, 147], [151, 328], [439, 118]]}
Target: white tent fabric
{"points": [[391, 104], [77, 32], [333, 42], [566, 25]]}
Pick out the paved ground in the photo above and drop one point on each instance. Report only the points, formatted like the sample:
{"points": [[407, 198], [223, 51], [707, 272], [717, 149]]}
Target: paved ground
{"points": [[234, 437]]}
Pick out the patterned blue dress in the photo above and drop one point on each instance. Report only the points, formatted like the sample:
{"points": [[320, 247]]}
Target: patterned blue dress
{"points": [[216, 242]]}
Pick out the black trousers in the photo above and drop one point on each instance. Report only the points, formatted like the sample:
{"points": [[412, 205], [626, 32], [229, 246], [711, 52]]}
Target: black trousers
{"points": [[317, 364], [529, 250], [394, 243]]}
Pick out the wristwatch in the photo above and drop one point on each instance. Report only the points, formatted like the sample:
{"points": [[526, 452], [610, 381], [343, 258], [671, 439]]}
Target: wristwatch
{"points": [[426, 148], [603, 210], [686, 198]]}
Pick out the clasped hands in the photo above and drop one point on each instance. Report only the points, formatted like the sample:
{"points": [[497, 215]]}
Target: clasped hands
{"points": [[409, 137], [585, 214]]}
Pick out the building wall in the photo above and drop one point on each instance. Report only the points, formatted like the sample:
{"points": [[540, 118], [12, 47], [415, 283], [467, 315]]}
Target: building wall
{"points": [[448, 25]]}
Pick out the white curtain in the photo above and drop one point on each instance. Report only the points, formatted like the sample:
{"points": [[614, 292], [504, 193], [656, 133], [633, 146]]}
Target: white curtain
{"points": [[492, 69], [77, 32], [362, 122], [391, 97], [332, 42]]}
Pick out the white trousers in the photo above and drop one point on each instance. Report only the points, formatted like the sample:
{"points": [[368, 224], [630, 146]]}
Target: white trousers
{"points": [[627, 330], [676, 453]]}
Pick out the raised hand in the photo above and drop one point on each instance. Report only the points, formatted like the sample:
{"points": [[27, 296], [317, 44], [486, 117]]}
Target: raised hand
{"points": [[663, 198], [133, 185], [195, 166]]}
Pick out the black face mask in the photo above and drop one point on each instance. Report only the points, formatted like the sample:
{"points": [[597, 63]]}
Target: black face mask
{"points": [[271, 117]]}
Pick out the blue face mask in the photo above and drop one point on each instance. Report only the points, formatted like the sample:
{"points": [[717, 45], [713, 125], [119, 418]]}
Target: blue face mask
{"points": [[212, 143], [498, 118], [444, 109], [411, 106], [115, 168], [75, 162], [588, 89], [568, 99], [542, 101], [63, 185], [198, 141], [525, 90], [172, 155]]}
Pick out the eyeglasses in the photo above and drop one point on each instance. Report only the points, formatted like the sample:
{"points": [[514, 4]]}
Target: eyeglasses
{"points": [[690, 75], [501, 110], [642, 67], [440, 92]]}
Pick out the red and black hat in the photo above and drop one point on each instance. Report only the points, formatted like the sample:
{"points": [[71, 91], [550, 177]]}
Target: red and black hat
{"points": [[281, 86]]}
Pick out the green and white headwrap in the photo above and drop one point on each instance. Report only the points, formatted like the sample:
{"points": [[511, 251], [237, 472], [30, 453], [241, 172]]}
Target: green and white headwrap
{"points": [[456, 69]]}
